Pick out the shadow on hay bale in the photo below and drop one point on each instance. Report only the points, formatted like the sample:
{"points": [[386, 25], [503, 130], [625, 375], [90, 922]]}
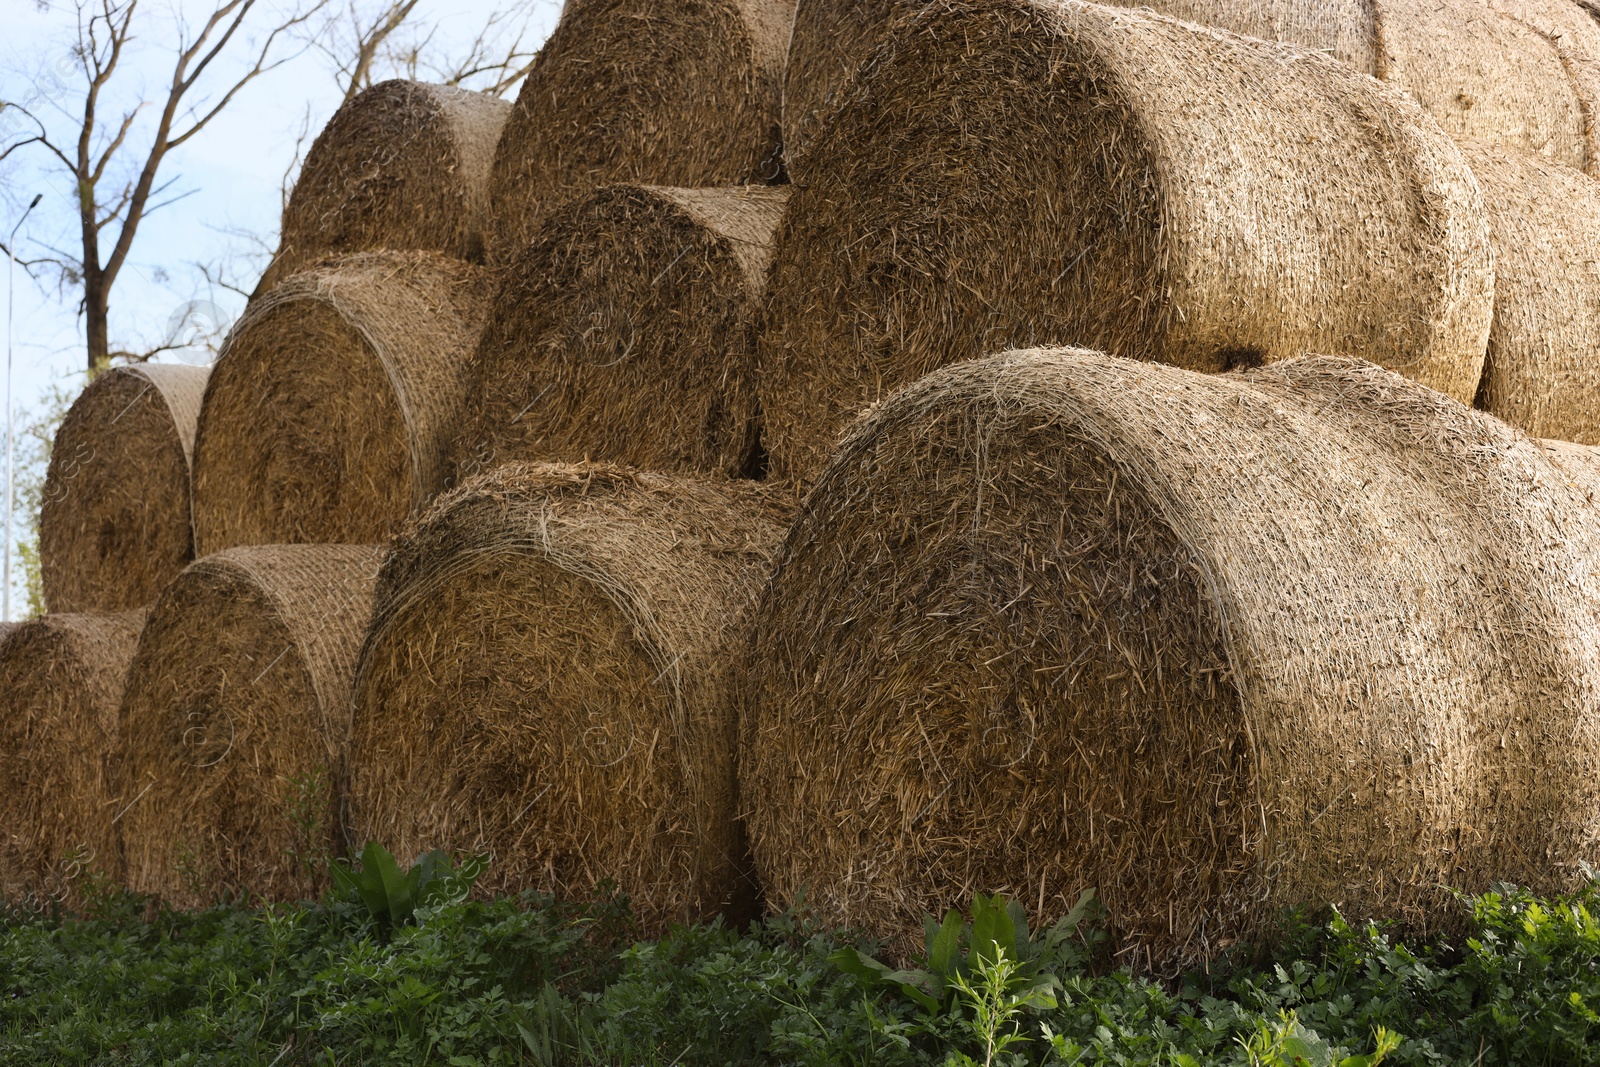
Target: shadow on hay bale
{"points": [[330, 410], [235, 720], [61, 679], [1007, 172], [546, 680], [662, 92], [114, 527], [1214, 645], [626, 333], [403, 165]]}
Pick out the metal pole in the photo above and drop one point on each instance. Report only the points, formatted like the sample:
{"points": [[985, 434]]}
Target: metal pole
{"points": [[11, 437]]}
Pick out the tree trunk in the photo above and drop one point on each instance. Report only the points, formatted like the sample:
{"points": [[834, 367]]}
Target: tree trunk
{"points": [[96, 299]]}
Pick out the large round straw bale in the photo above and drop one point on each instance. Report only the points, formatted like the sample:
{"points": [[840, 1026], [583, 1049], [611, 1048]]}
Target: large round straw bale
{"points": [[626, 333], [114, 527], [666, 93], [331, 409], [235, 721], [1214, 645], [402, 165], [61, 679], [1009, 172], [547, 680]]}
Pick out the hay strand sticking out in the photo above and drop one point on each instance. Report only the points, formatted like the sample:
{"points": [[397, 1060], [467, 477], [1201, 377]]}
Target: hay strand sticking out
{"points": [[546, 679], [235, 721], [1214, 645], [663, 93], [114, 527], [1007, 172], [626, 333], [61, 679], [331, 409]]}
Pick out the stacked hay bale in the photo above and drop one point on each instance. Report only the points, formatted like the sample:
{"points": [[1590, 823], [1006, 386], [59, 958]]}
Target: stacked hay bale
{"points": [[1215, 645], [1010, 172], [115, 526], [235, 719], [626, 332], [61, 681], [547, 680], [402, 165], [330, 410]]}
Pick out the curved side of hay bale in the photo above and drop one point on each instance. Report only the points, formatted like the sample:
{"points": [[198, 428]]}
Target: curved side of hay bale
{"points": [[670, 93], [1007, 172], [402, 165], [1215, 645], [115, 526], [1544, 221], [61, 680], [626, 333], [547, 680], [235, 721], [329, 414]]}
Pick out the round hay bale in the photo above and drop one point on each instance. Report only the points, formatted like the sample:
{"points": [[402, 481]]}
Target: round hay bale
{"points": [[547, 680], [680, 94], [634, 308], [1213, 645], [330, 412], [402, 165], [1015, 172], [235, 722], [114, 527], [61, 679], [1544, 223]]}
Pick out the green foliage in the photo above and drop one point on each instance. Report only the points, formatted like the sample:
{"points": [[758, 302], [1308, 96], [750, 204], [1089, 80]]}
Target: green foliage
{"points": [[36, 432], [392, 897]]}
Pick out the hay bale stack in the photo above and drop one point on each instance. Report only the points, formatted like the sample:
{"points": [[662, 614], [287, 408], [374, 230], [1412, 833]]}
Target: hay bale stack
{"points": [[61, 679], [330, 411], [235, 720], [1012, 172], [114, 527], [1215, 645], [546, 680], [626, 333], [1580, 464], [674, 93], [1544, 222], [402, 165]]}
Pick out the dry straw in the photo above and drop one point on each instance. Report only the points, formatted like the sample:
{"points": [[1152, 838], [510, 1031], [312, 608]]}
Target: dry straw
{"points": [[235, 720], [330, 411], [626, 333], [114, 528], [683, 94], [1213, 645], [1007, 172], [547, 680], [61, 679], [402, 165]]}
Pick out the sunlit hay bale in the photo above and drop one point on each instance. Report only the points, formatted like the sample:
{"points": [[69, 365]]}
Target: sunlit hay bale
{"points": [[546, 680], [235, 721], [402, 165], [61, 679], [626, 333], [331, 409], [1007, 172], [665, 93], [114, 528], [1213, 645]]}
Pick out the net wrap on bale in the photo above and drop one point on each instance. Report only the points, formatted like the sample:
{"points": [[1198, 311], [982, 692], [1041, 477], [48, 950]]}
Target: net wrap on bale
{"points": [[1214, 645], [547, 680]]}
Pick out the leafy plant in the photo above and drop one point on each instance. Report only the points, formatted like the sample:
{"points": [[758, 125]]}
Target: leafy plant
{"points": [[392, 897]]}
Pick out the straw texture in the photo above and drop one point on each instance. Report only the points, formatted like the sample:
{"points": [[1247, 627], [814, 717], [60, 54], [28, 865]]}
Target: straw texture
{"points": [[1214, 645], [547, 680], [235, 720], [1007, 172], [330, 412], [626, 333], [114, 527]]}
